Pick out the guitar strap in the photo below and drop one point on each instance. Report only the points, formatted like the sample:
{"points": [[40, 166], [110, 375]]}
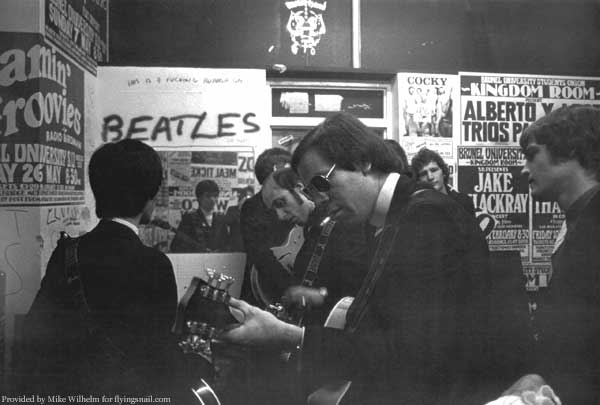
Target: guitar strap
{"points": [[387, 239], [310, 275], [75, 289], [359, 305]]}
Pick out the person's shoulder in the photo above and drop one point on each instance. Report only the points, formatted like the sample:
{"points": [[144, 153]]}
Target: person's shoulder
{"points": [[155, 257]]}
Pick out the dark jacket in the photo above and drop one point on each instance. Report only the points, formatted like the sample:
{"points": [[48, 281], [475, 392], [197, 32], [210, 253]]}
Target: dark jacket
{"points": [[195, 235], [262, 230], [416, 332], [464, 200], [130, 289], [343, 263], [568, 313]]}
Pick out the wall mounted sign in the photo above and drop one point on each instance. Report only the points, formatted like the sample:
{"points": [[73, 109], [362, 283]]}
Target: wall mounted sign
{"points": [[305, 25]]}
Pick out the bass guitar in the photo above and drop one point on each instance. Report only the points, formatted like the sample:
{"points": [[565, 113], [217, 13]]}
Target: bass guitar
{"points": [[333, 392], [286, 255]]}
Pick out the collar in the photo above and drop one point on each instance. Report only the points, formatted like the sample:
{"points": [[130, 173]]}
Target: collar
{"points": [[384, 200], [128, 224], [575, 209]]}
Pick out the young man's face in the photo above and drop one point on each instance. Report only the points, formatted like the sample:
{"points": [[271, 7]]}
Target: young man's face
{"points": [[207, 201], [348, 197], [285, 204], [546, 176], [431, 173]]}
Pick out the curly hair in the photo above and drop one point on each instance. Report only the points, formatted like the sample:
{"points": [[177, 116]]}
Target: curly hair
{"points": [[425, 156]]}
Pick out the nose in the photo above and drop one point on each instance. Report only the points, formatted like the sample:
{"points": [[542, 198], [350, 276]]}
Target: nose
{"points": [[525, 170]]}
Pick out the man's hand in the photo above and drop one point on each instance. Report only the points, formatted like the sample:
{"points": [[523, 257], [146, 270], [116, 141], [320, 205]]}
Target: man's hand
{"points": [[261, 329]]}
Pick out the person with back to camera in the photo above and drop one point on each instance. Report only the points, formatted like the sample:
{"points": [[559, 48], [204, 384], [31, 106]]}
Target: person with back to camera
{"points": [[416, 331], [129, 289], [429, 167], [203, 230]]}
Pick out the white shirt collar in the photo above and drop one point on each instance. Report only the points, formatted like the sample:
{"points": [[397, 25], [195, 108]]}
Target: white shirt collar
{"points": [[127, 224], [384, 200]]}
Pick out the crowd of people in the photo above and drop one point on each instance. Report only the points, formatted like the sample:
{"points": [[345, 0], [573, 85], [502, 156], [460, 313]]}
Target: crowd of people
{"points": [[397, 238]]}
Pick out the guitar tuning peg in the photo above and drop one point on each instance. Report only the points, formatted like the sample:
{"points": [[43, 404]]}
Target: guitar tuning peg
{"points": [[229, 282], [210, 273]]}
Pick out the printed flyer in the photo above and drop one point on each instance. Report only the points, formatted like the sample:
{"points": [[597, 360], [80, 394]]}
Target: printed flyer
{"points": [[42, 125], [426, 118], [495, 109], [491, 175]]}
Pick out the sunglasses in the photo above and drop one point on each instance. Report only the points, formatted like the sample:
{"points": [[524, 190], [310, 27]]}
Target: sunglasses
{"points": [[320, 182]]}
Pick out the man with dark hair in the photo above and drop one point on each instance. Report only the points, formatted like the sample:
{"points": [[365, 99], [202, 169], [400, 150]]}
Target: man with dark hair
{"points": [[203, 230], [262, 230], [415, 333], [128, 288], [429, 167], [562, 152], [338, 250], [398, 150]]}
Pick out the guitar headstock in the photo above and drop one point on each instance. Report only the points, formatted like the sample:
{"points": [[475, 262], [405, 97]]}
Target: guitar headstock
{"points": [[203, 312]]}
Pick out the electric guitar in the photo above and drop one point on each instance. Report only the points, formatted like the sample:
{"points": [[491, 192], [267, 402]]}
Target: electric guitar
{"points": [[286, 255], [201, 313], [333, 392]]}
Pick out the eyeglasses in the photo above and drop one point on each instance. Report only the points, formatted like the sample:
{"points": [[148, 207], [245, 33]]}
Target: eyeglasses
{"points": [[321, 182]]}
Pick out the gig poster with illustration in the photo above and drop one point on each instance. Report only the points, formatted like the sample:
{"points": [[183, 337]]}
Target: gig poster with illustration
{"points": [[426, 118], [494, 110]]}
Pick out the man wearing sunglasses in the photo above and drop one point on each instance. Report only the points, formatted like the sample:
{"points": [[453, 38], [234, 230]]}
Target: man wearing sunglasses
{"points": [[341, 262], [416, 331]]}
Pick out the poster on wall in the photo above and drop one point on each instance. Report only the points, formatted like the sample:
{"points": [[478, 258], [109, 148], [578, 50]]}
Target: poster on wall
{"points": [[491, 176], [41, 130], [208, 125], [495, 109], [199, 202], [79, 28], [181, 107], [426, 118]]}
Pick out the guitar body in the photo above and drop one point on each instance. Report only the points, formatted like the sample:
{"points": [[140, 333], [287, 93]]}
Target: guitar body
{"points": [[286, 255], [333, 392], [205, 395]]}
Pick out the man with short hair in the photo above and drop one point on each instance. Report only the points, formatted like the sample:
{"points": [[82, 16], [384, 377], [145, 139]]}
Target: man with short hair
{"points": [[338, 250], [415, 333], [129, 290], [203, 230], [562, 152]]}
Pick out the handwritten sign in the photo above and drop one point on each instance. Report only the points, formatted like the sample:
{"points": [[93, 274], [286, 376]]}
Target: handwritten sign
{"points": [[175, 107]]}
